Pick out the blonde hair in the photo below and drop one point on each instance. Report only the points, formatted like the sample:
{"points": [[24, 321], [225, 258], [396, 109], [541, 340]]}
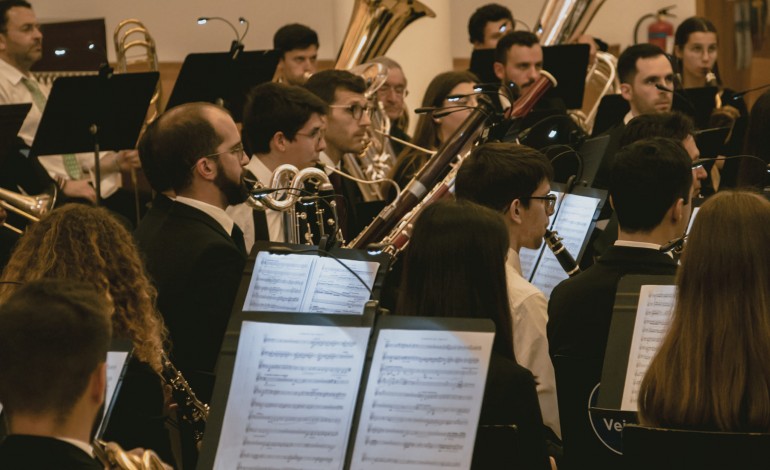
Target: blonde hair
{"points": [[88, 244]]}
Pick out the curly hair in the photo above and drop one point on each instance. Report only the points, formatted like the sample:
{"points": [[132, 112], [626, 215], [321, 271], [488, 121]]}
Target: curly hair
{"points": [[88, 244]]}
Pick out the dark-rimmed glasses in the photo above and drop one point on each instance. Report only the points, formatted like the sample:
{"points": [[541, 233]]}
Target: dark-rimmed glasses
{"points": [[549, 201], [355, 109], [316, 134]]}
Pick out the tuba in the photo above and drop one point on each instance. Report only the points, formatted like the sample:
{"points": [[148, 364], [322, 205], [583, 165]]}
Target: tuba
{"points": [[563, 22], [305, 218], [374, 25]]}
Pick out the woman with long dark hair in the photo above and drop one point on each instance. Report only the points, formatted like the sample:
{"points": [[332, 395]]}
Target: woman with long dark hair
{"points": [[711, 372], [455, 267]]}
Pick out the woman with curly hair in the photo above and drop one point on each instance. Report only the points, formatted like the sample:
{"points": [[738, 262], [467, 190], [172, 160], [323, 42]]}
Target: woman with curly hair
{"points": [[88, 244]]}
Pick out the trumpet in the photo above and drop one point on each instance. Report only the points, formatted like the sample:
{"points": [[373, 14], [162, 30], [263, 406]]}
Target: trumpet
{"points": [[29, 207], [287, 194]]}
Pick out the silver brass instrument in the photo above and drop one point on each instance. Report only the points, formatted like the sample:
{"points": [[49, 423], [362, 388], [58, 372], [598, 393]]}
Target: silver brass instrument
{"points": [[287, 193], [29, 207], [112, 456], [191, 409], [563, 22], [373, 26]]}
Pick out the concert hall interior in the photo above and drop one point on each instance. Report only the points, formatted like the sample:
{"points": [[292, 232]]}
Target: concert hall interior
{"points": [[399, 234]]}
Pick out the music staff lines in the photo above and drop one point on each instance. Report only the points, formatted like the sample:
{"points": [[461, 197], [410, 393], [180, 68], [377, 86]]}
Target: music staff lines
{"points": [[306, 369], [427, 409], [410, 462], [306, 356], [293, 406], [315, 343], [430, 360], [416, 445], [426, 383], [286, 458], [300, 393], [313, 434], [275, 419], [406, 432], [421, 395], [399, 370], [286, 445], [294, 380], [426, 421], [440, 347]]}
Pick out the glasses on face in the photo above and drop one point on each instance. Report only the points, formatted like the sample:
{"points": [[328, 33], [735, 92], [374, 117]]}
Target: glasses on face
{"points": [[399, 90], [549, 201], [316, 134], [355, 109], [237, 150]]}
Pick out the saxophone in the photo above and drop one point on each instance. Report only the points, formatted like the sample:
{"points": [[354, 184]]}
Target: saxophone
{"points": [[192, 410]]}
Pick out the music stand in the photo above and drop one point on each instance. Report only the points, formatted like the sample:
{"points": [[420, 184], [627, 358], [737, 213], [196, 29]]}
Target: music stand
{"points": [[568, 63], [612, 110], [698, 103], [483, 65], [11, 118], [94, 112], [216, 77]]}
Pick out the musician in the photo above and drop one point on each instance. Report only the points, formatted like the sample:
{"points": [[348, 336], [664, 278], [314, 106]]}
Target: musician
{"points": [[194, 251], [516, 180], [391, 94], [488, 24], [346, 127], [282, 124], [54, 337], [640, 68], [650, 188], [20, 49], [298, 46]]}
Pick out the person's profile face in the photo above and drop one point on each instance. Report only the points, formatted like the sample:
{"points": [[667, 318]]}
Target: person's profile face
{"points": [[303, 150], [298, 64], [344, 132], [535, 218], [461, 101], [523, 65], [229, 159], [22, 42], [642, 94], [392, 93], [493, 31]]}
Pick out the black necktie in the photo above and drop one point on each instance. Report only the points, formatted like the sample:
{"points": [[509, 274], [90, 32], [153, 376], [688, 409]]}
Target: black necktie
{"points": [[237, 235]]}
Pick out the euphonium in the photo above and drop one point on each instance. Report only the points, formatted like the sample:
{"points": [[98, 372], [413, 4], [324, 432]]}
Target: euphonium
{"points": [[138, 37], [288, 194], [29, 207]]}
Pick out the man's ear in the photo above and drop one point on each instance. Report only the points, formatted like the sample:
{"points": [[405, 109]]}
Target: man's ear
{"points": [[612, 203], [677, 210], [98, 383], [625, 91], [279, 141], [499, 70], [514, 211], [205, 168]]}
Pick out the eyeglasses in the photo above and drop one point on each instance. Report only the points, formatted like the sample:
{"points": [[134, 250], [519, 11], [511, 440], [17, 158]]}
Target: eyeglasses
{"points": [[549, 201], [317, 134], [238, 151], [398, 90], [355, 109]]}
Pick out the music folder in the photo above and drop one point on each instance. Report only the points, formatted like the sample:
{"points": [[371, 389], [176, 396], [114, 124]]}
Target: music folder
{"points": [[568, 63], [215, 77], [347, 392], [483, 65], [640, 319], [12, 117], [117, 364]]}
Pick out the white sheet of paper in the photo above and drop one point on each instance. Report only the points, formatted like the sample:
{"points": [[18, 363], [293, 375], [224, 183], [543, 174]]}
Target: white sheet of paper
{"points": [[653, 316], [692, 218], [310, 284], [116, 360], [572, 223], [292, 396], [423, 400]]}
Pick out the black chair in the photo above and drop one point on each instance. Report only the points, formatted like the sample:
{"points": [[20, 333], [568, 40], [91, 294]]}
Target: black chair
{"points": [[664, 449]]}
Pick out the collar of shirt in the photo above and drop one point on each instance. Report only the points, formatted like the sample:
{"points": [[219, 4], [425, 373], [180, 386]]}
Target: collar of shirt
{"points": [[514, 261], [629, 115], [260, 170], [11, 73], [212, 211], [632, 244], [327, 161], [84, 446]]}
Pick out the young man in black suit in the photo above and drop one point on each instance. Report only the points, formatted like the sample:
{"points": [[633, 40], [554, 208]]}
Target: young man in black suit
{"points": [[54, 337], [650, 189], [195, 254]]}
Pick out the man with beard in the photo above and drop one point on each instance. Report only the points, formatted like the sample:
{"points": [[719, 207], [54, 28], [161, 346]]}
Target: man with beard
{"points": [[195, 254]]}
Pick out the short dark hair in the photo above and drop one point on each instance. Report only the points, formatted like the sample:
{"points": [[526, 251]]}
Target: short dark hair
{"points": [[514, 38], [6, 5], [53, 335], [174, 142], [646, 179], [672, 125], [495, 174], [483, 15], [627, 60], [294, 36], [455, 267], [325, 84], [275, 107]]}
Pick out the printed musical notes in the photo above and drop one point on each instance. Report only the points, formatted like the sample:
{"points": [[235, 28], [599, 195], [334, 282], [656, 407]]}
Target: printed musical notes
{"points": [[292, 396], [301, 283], [653, 315], [423, 400]]}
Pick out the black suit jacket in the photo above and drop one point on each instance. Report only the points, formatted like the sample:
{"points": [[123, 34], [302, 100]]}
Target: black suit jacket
{"points": [[602, 178], [196, 267], [579, 315], [43, 453]]}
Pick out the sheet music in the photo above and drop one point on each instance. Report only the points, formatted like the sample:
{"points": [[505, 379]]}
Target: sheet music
{"points": [[116, 360], [528, 258], [692, 219], [302, 283], [573, 222], [292, 396], [653, 316], [423, 400]]}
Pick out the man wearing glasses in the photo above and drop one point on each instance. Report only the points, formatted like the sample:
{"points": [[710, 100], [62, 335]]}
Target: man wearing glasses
{"points": [[516, 180], [391, 94], [194, 252], [346, 132], [282, 124]]}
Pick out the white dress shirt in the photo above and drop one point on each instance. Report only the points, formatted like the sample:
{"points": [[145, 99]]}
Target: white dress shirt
{"points": [[212, 211]]}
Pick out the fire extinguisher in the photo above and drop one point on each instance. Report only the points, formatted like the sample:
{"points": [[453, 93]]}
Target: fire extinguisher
{"points": [[660, 32]]}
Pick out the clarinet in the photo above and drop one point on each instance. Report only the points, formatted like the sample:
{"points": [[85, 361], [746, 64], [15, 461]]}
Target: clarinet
{"points": [[565, 259], [191, 410]]}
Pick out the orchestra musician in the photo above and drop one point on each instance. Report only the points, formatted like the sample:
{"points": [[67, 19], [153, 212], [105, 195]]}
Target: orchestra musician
{"points": [[298, 46], [391, 94], [20, 49], [516, 181], [650, 188], [282, 124], [54, 337], [488, 24]]}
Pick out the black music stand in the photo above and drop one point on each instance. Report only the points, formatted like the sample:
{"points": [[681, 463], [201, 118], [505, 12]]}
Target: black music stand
{"points": [[217, 77], [483, 65], [11, 118], [698, 103], [92, 113], [568, 63]]}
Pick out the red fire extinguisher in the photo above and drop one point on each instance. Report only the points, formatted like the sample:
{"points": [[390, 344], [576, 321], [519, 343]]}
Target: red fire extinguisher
{"points": [[660, 32]]}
